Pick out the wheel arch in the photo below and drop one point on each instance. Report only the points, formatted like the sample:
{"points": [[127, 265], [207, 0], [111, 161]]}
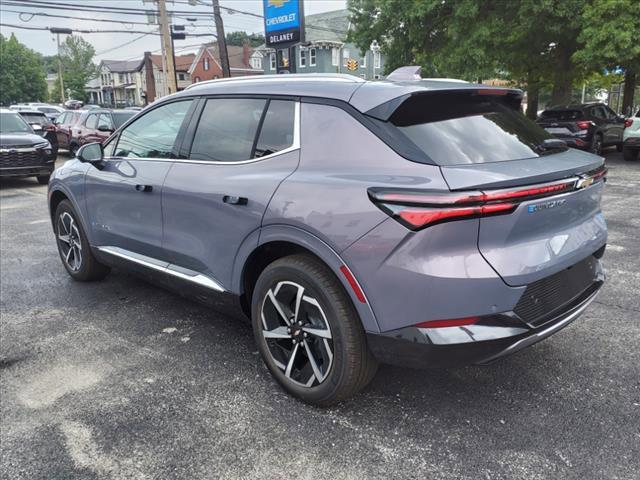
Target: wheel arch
{"points": [[56, 195], [277, 241]]}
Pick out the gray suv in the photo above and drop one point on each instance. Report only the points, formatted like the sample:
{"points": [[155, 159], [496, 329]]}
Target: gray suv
{"points": [[414, 222]]}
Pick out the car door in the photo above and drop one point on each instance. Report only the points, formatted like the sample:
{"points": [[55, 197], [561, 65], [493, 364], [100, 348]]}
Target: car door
{"points": [[124, 195], [616, 125], [87, 130], [236, 155]]}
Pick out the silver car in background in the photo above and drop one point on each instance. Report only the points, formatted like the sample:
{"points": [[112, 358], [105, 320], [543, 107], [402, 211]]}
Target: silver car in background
{"points": [[418, 222]]}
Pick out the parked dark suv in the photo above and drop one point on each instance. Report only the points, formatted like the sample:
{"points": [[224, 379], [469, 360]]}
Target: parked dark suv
{"points": [[42, 125], [589, 126], [23, 153], [414, 222], [96, 125]]}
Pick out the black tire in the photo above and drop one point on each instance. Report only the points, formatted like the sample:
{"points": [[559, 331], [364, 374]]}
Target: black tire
{"points": [[352, 365], [630, 154], [596, 144], [619, 147], [84, 267], [43, 179]]}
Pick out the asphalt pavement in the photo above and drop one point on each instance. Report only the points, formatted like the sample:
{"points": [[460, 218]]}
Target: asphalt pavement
{"points": [[123, 380]]}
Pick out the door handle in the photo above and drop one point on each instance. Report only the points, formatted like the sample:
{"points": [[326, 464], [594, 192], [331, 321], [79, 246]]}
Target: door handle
{"points": [[144, 188], [233, 200]]}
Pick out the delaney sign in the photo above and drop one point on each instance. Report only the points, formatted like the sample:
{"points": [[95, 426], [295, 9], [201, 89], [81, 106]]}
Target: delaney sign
{"points": [[283, 22]]}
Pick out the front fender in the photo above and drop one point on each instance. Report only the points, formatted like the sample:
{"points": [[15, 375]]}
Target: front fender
{"points": [[69, 180], [305, 239]]}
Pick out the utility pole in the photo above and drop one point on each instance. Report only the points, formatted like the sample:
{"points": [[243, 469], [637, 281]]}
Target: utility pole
{"points": [[58, 31], [222, 41], [177, 33], [170, 71]]}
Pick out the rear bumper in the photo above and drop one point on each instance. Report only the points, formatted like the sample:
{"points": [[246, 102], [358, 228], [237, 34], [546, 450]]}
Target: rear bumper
{"points": [[631, 142], [475, 344]]}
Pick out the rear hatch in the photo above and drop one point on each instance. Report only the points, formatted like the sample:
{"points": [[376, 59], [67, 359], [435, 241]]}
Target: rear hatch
{"points": [[487, 148], [561, 122]]}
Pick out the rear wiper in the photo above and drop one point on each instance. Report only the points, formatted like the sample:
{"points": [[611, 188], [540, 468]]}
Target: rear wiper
{"points": [[549, 145]]}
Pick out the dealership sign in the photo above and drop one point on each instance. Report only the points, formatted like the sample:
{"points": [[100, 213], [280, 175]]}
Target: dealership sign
{"points": [[283, 22]]}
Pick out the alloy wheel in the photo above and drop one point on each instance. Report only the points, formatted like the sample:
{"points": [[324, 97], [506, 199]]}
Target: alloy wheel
{"points": [[70, 241], [297, 334]]}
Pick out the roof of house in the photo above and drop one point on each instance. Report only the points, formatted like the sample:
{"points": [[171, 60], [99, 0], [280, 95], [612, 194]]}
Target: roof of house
{"points": [[120, 66], [327, 27], [183, 62], [237, 56]]}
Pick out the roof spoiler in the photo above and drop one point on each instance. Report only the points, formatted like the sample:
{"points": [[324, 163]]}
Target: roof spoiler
{"points": [[405, 73]]}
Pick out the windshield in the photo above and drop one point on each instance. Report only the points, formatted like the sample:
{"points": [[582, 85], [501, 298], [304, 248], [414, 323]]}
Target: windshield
{"points": [[119, 118], [13, 123], [464, 128]]}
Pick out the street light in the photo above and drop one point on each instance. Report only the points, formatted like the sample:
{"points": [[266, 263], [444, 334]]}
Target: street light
{"points": [[58, 31]]}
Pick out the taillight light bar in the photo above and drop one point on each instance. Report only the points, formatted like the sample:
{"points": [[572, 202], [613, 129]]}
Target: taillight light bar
{"points": [[417, 209], [585, 124], [628, 122]]}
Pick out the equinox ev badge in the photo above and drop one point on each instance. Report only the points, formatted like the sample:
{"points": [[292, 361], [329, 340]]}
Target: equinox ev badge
{"points": [[546, 205]]}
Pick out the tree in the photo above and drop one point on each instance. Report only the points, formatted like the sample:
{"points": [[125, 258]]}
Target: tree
{"points": [[529, 41], [610, 38], [240, 38], [78, 68], [21, 75]]}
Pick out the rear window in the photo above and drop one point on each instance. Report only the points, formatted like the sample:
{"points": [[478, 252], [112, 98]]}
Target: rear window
{"points": [[466, 128], [40, 119], [119, 118], [562, 115]]}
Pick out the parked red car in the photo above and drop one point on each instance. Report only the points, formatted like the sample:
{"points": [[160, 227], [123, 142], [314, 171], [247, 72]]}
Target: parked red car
{"points": [[96, 126], [63, 125]]}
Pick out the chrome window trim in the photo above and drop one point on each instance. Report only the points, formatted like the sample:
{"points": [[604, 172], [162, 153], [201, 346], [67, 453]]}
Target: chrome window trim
{"points": [[294, 146], [163, 267]]}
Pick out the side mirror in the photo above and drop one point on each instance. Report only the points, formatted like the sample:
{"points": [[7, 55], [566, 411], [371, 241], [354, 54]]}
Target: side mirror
{"points": [[105, 128], [91, 153]]}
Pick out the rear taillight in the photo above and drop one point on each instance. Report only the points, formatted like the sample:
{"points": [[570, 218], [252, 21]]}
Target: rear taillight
{"points": [[50, 128], [628, 122], [584, 125], [417, 209]]}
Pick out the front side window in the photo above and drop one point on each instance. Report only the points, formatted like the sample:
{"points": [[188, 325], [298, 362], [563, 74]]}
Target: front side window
{"points": [[598, 112], [153, 134], [104, 121], [312, 57], [227, 129], [277, 128], [92, 121]]}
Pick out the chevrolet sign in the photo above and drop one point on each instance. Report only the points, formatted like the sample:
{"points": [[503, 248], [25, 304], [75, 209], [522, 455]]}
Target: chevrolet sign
{"points": [[283, 22]]}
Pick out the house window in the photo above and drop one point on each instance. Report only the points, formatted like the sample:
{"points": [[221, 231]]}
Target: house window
{"points": [[256, 62], [303, 57], [272, 59], [345, 56], [312, 57], [376, 77], [181, 76], [363, 63], [196, 80], [376, 59], [121, 78], [335, 57], [205, 63]]}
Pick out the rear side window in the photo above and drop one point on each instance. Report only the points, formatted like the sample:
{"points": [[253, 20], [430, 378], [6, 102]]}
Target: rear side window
{"points": [[227, 129], [105, 121], [465, 128], [598, 112], [277, 128]]}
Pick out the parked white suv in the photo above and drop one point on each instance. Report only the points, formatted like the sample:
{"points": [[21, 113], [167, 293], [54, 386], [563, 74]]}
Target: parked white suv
{"points": [[631, 138]]}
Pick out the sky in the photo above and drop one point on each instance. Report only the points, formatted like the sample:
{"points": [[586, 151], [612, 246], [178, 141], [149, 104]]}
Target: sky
{"points": [[130, 46]]}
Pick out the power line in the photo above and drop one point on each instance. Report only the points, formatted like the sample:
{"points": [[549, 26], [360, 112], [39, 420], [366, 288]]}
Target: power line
{"points": [[123, 45], [76, 30], [43, 14]]}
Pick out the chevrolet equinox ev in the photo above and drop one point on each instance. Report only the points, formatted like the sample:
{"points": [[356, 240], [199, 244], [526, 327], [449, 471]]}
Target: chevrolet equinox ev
{"points": [[416, 222]]}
